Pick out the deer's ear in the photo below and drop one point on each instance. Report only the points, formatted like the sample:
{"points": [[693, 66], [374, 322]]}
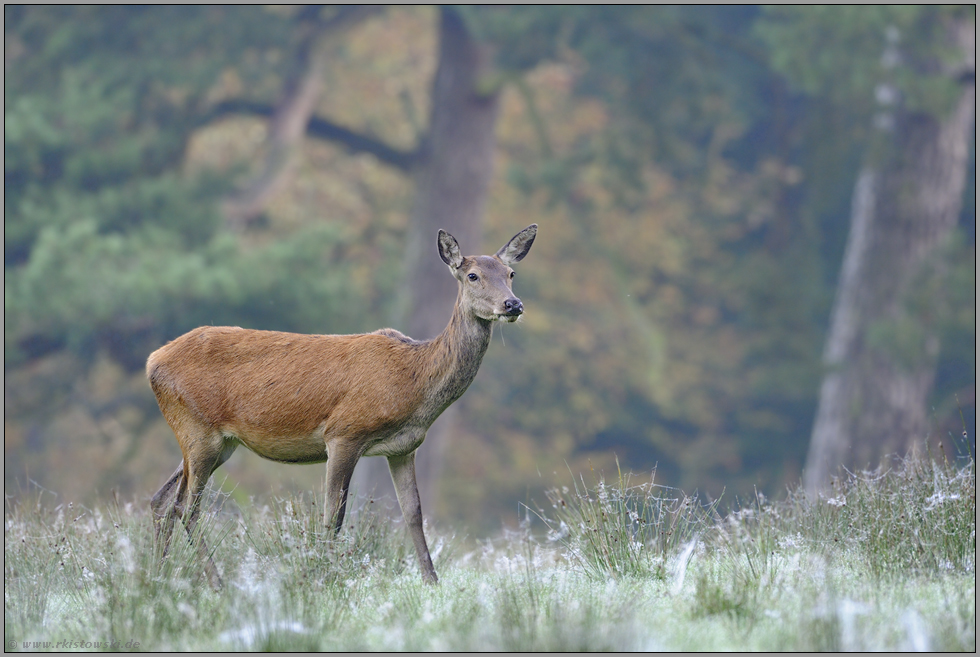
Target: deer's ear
{"points": [[518, 246], [449, 250]]}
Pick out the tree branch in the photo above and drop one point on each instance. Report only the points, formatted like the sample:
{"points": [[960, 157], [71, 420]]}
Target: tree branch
{"points": [[289, 121], [319, 128]]}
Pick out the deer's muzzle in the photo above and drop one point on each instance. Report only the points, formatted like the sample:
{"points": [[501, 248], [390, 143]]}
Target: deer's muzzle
{"points": [[513, 308]]}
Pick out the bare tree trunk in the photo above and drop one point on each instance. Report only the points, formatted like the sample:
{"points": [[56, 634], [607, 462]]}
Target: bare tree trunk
{"points": [[873, 397], [452, 178]]}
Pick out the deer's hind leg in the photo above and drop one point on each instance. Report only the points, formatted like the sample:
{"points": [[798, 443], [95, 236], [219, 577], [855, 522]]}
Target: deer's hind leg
{"points": [[162, 506], [204, 450]]}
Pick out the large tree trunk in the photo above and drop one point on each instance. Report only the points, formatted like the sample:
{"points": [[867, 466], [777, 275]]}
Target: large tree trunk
{"points": [[452, 178], [880, 356]]}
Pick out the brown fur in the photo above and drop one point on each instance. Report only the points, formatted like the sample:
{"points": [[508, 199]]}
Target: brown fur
{"points": [[325, 398]]}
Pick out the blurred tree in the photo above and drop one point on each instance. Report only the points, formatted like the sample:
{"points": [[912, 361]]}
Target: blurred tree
{"points": [[290, 117], [883, 345], [452, 169]]}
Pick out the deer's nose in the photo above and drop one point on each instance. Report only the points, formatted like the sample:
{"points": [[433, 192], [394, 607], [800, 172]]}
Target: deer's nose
{"points": [[513, 306]]}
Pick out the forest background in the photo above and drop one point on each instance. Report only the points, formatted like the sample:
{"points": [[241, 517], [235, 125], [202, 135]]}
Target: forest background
{"points": [[697, 174]]}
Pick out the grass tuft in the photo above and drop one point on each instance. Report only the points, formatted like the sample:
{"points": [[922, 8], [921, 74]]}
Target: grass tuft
{"points": [[624, 529]]}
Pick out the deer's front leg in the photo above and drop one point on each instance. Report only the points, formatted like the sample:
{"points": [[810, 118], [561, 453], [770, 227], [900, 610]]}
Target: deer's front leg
{"points": [[403, 475]]}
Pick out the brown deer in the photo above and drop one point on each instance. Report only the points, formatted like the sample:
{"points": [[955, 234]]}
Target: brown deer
{"points": [[325, 398]]}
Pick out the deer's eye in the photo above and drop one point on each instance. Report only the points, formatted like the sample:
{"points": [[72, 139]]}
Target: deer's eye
{"points": [[473, 277], [512, 274]]}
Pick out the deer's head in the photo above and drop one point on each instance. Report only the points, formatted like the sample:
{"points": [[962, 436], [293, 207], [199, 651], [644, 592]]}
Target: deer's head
{"points": [[485, 281]]}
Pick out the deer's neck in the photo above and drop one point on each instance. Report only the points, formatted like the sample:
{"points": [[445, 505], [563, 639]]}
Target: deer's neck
{"points": [[456, 355]]}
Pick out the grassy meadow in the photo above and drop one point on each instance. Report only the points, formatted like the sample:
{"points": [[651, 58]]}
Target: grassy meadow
{"points": [[886, 561]]}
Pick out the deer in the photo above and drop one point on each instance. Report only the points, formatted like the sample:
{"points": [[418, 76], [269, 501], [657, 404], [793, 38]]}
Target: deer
{"points": [[297, 398]]}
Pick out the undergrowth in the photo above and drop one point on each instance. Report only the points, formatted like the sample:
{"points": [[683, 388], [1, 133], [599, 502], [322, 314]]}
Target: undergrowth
{"points": [[883, 561]]}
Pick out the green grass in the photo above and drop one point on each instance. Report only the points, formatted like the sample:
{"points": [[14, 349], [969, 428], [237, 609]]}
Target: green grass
{"points": [[885, 562]]}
